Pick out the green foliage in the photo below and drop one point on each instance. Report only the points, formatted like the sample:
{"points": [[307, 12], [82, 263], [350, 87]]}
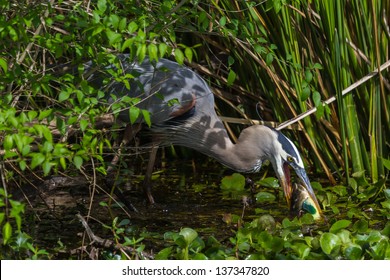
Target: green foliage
{"points": [[233, 185], [10, 216], [347, 233], [235, 182], [283, 241], [122, 234], [15, 244], [40, 112], [278, 55], [268, 53], [188, 245]]}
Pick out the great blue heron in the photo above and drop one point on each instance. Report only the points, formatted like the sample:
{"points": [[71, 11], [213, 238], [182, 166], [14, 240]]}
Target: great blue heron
{"points": [[181, 107]]}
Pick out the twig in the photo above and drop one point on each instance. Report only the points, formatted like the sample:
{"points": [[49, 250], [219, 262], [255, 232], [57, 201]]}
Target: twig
{"points": [[4, 186], [333, 98], [109, 244]]}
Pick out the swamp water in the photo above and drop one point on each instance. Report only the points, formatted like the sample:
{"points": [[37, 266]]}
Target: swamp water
{"points": [[184, 199]]}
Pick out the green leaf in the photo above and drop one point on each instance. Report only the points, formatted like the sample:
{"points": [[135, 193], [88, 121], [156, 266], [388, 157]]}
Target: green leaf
{"points": [[386, 163], [37, 159], [83, 124], [122, 24], [361, 226], [259, 49], [132, 27], [32, 115], [124, 222], [63, 163], [188, 53], [329, 242], [7, 98], [344, 236], [97, 30], [134, 113], [301, 249], [231, 77], [269, 59], [103, 203], [230, 61], [173, 101], [386, 204], [7, 232], [189, 235], [26, 150], [308, 76], [114, 20], [339, 225], [387, 193], [113, 37], [162, 48], [47, 133], [353, 252], [269, 182], [164, 254], [277, 5], [374, 236], [235, 182], [47, 147], [102, 6], [22, 165], [379, 250], [152, 51], [222, 21], [64, 95], [317, 66], [3, 65], [179, 56], [46, 167], [44, 114], [13, 33], [128, 44], [316, 99], [305, 93], [320, 111], [78, 161], [60, 123], [141, 52], [13, 121], [264, 197], [8, 142], [146, 115], [202, 17], [199, 256]]}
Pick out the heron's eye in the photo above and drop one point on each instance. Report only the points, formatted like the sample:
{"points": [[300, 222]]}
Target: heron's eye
{"points": [[290, 159]]}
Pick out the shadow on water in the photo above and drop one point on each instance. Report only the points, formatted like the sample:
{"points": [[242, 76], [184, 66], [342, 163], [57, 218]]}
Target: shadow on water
{"points": [[183, 199]]}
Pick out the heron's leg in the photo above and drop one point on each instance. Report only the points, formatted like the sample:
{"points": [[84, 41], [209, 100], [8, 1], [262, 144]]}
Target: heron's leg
{"points": [[130, 132], [148, 176]]}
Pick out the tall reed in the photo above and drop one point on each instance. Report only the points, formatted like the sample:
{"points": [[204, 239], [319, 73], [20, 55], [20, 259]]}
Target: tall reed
{"points": [[292, 57]]}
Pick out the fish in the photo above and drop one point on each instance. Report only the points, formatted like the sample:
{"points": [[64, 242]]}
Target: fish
{"points": [[302, 203]]}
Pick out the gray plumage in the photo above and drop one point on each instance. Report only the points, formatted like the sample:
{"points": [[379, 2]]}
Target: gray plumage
{"points": [[181, 106]]}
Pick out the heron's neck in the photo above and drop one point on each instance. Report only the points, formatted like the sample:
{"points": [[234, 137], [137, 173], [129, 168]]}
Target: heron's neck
{"points": [[238, 157], [209, 136]]}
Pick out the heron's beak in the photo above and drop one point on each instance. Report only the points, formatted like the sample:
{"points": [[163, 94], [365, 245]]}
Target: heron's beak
{"points": [[285, 181]]}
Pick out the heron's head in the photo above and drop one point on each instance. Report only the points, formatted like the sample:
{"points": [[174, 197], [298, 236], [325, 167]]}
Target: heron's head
{"points": [[283, 156]]}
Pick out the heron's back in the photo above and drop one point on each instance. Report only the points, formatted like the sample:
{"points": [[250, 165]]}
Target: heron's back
{"points": [[166, 89]]}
